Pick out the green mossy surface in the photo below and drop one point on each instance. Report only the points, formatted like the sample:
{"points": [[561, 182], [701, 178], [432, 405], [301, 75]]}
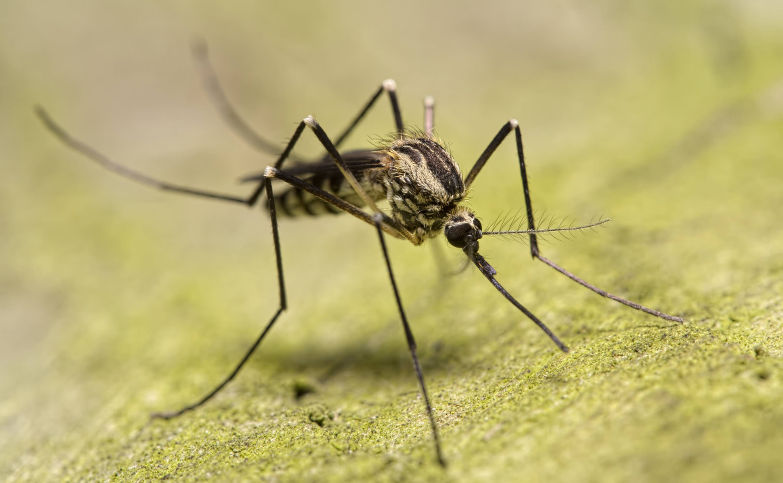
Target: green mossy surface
{"points": [[117, 301]]}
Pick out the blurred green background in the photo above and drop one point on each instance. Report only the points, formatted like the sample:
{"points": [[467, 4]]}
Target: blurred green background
{"points": [[117, 300]]}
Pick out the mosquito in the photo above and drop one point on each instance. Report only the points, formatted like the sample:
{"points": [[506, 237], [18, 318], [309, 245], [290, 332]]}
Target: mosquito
{"points": [[413, 172]]}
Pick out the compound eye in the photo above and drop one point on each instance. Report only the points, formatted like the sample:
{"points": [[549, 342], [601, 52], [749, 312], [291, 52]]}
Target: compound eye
{"points": [[477, 223], [457, 233]]}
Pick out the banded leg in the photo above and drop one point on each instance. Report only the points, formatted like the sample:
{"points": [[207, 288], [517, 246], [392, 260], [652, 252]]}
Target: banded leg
{"points": [[534, 250]]}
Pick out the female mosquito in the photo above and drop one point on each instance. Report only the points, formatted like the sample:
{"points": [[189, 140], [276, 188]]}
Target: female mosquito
{"points": [[413, 172]]}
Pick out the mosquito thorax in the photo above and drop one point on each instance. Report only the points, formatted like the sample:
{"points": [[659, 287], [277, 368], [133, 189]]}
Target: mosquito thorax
{"points": [[463, 230], [423, 184]]}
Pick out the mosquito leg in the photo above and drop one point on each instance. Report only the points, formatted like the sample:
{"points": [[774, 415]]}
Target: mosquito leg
{"points": [[389, 226], [489, 272], [411, 342], [226, 109], [273, 172], [534, 250], [388, 86], [254, 346], [380, 221], [429, 115], [91, 153], [338, 159], [243, 129], [107, 163], [440, 259]]}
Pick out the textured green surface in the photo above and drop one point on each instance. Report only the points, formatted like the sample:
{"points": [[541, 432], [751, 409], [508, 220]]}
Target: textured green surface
{"points": [[116, 301]]}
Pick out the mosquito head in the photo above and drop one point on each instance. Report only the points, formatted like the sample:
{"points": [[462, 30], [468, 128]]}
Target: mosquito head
{"points": [[463, 230]]}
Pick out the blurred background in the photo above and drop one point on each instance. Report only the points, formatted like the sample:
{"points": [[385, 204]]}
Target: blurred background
{"points": [[117, 300]]}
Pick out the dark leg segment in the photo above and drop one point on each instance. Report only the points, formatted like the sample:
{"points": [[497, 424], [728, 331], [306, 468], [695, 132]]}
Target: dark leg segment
{"points": [[254, 197], [493, 145], [535, 253], [411, 343], [243, 129], [107, 163], [534, 250], [490, 273], [281, 308], [389, 225], [380, 221], [606, 294], [332, 150], [390, 87], [526, 191], [251, 200]]}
